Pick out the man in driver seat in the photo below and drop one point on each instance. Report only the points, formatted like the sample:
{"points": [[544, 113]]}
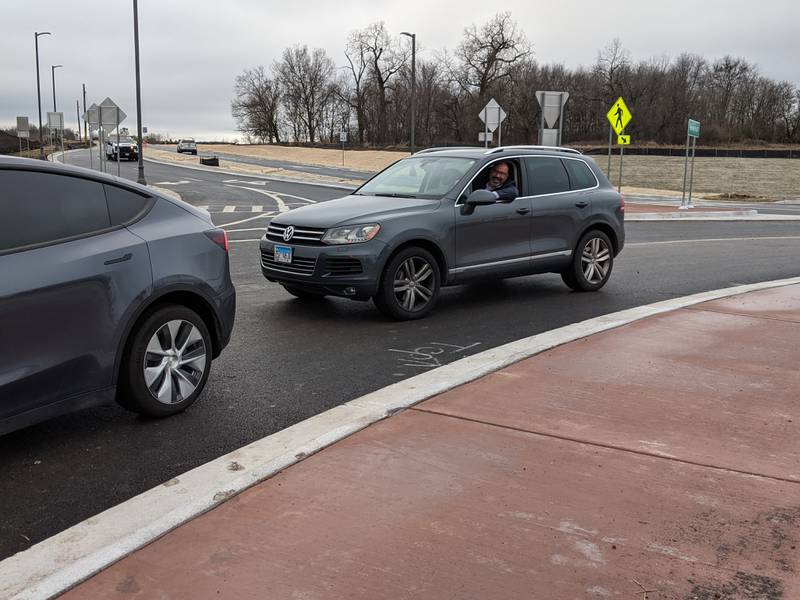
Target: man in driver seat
{"points": [[499, 183]]}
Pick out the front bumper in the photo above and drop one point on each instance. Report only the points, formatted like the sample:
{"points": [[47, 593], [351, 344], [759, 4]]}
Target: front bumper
{"points": [[350, 271]]}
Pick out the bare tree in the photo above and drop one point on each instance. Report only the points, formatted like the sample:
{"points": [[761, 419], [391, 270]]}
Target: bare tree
{"points": [[256, 105], [488, 54], [306, 80]]}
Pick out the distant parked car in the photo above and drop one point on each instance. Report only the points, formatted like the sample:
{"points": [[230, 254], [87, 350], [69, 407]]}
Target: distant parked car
{"points": [[126, 148], [108, 291], [428, 221], [187, 146]]}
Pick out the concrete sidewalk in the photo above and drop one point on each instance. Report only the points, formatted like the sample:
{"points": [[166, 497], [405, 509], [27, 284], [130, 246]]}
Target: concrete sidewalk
{"points": [[657, 460]]}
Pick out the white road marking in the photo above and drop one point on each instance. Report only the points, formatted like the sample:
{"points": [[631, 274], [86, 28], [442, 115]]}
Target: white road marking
{"points": [[257, 208], [205, 208], [172, 182], [61, 561], [249, 229], [731, 239], [281, 204], [261, 216], [229, 209], [293, 196]]}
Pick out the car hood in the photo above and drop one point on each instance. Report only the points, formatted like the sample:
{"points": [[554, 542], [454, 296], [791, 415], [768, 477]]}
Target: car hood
{"points": [[352, 210]]}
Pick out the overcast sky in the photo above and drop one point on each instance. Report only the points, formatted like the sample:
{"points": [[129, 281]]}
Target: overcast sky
{"points": [[192, 50]]}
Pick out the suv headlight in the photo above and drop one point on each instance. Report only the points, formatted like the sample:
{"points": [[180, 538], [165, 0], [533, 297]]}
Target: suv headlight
{"points": [[351, 234]]}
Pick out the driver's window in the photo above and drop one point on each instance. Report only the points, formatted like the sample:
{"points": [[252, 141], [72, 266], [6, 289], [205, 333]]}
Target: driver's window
{"points": [[482, 180]]}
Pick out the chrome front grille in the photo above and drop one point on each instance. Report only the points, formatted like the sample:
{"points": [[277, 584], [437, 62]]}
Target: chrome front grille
{"points": [[303, 236], [298, 266]]}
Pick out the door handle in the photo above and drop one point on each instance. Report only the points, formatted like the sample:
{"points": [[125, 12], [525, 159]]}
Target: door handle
{"points": [[581, 204], [523, 211], [119, 259]]}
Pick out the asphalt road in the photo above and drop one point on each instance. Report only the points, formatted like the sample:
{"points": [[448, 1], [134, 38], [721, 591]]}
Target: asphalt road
{"points": [[289, 359]]}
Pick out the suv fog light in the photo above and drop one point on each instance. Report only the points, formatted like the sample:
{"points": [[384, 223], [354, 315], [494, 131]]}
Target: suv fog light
{"points": [[349, 291]]}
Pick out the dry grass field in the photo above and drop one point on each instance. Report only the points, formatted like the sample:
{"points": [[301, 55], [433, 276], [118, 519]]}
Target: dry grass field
{"points": [[758, 178]]}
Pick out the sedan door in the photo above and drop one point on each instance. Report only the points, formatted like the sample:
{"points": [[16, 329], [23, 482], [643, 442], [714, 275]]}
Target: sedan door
{"points": [[68, 281]]}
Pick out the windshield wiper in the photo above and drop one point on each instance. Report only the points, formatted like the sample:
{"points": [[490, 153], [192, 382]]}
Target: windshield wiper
{"points": [[394, 195]]}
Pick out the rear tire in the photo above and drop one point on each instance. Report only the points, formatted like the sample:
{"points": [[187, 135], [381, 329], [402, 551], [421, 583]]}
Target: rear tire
{"points": [[166, 364], [409, 286], [591, 264], [302, 294]]}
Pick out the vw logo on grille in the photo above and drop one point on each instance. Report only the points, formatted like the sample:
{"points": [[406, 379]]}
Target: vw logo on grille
{"points": [[287, 235]]}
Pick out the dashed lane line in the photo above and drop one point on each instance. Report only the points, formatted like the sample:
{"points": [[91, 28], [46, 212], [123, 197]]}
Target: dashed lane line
{"points": [[229, 209], [261, 216], [281, 204]]}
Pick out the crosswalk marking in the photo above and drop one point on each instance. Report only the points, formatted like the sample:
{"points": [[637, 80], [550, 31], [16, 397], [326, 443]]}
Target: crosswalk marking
{"points": [[229, 209], [257, 208]]}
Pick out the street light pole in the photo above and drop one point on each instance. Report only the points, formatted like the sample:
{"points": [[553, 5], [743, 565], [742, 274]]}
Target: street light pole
{"points": [[140, 177], [413, 37], [53, 71], [39, 92]]}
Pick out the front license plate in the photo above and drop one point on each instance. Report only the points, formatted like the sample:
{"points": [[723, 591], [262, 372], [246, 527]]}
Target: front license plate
{"points": [[283, 254]]}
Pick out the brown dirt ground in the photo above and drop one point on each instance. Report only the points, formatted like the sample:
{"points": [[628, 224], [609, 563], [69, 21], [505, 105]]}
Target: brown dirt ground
{"points": [[751, 178]]}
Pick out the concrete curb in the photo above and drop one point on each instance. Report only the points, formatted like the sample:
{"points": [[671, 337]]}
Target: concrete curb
{"points": [[64, 560], [708, 216]]}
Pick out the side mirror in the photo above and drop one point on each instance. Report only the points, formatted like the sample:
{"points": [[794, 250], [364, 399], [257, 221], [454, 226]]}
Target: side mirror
{"points": [[477, 198]]}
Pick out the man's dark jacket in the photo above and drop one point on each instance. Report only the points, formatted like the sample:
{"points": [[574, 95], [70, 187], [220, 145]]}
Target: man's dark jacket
{"points": [[507, 192]]}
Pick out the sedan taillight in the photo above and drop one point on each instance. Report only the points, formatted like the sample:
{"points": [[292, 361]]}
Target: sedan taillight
{"points": [[219, 237]]}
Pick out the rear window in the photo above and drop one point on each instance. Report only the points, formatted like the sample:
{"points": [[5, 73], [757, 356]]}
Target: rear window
{"points": [[39, 208], [546, 175], [125, 206], [580, 175]]}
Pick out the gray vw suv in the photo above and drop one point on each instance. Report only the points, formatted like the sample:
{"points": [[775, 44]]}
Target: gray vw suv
{"points": [[428, 220], [108, 291]]}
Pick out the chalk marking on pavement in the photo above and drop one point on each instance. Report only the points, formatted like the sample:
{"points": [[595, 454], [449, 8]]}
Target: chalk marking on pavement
{"points": [[281, 204], [229, 209], [67, 558], [705, 240]]}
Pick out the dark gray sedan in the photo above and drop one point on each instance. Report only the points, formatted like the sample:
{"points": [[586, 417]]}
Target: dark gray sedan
{"points": [[108, 291], [442, 217]]}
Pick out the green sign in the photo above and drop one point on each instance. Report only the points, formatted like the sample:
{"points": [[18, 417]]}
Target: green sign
{"points": [[694, 128]]}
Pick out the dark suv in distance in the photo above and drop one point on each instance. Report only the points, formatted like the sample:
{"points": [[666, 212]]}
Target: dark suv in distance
{"points": [[428, 221], [108, 291]]}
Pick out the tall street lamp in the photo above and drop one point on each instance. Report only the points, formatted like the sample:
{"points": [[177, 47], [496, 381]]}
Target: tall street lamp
{"points": [[53, 70], [140, 177], [413, 37], [39, 92]]}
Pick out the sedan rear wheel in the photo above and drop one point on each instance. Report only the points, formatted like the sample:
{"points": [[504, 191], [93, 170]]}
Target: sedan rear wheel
{"points": [[167, 364]]}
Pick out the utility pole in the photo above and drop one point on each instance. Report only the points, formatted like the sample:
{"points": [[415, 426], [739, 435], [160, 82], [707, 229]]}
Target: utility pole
{"points": [[85, 133], [140, 178], [413, 37], [53, 70], [39, 92]]}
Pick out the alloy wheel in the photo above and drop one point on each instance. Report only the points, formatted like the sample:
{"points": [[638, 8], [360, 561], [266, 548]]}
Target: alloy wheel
{"points": [[595, 260], [414, 283], [175, 361]]}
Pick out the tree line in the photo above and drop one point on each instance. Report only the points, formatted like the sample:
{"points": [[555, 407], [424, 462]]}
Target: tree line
{"points": [[303, 97]]}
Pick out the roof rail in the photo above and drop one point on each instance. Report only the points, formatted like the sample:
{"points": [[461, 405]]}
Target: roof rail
{"points": [[426, 150], [556, 148]]}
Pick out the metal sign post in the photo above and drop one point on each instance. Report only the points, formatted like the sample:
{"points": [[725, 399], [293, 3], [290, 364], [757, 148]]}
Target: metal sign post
{"points": [[610, 134], [619, 116], [552, 104], [491, 120], [118, 150], [23, 131], [692, 133], [343, 139]]}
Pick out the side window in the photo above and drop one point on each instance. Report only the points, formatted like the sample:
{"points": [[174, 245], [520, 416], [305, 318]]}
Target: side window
{"points": [[546, 175], [580, 175], [124, 206], [38, 208]]}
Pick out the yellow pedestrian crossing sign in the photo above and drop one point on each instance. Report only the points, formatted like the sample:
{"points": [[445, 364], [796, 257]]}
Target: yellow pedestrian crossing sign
{"points": [[623, 140], [619, 115]]}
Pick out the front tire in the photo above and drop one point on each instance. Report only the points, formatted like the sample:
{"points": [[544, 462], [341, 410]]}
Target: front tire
{"points": [[409, 286], [166, 364], [591, 264]]}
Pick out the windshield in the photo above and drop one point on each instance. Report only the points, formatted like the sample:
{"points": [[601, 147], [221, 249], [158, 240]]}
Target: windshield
{"points": [[418, 177], [122, 139]]}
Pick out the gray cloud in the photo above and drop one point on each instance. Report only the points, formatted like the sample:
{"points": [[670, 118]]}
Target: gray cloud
{"points": [[191, 50]]}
